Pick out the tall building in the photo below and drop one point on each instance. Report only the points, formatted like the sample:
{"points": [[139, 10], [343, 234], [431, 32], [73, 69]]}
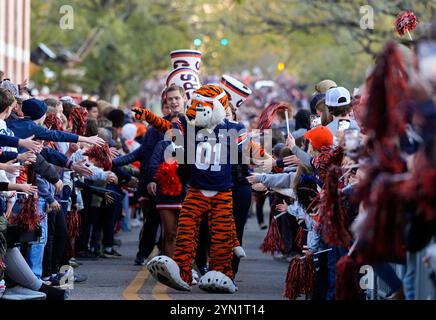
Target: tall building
{"points": [[15, 39]]}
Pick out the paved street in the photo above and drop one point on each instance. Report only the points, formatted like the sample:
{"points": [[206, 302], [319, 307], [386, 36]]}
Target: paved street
{"points": [[259, 278]]}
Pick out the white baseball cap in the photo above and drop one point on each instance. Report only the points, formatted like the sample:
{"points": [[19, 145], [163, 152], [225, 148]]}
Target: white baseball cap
{"points": [[68, 99], [337, 97]]}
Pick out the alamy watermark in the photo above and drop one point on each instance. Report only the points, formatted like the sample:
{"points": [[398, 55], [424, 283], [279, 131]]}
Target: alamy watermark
{"points": [[67, 19], [67, 280], [367, 281], [367, 19], [208, 149]]}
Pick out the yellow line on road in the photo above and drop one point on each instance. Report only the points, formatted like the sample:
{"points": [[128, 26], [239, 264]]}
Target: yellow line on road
{"points": [[160, 292], [132, 290]]}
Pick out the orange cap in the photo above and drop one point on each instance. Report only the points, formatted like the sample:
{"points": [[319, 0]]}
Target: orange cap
{"points": [[319, 137]]}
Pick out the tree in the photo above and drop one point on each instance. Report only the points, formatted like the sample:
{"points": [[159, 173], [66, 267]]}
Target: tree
{"points": [[125, 42]]}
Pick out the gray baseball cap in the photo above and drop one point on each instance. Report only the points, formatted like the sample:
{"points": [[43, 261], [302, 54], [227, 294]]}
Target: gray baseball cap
{"points": [[12, 88]]}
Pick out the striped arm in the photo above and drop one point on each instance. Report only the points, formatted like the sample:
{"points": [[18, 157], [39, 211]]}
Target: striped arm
{"points": [[144, 114]]}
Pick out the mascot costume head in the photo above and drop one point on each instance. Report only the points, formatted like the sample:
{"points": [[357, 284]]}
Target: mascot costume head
{"points": [[208, 106]]}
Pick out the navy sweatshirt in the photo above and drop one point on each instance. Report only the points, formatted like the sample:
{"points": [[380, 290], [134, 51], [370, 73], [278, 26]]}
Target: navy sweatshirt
{"points": [[24, 128]]}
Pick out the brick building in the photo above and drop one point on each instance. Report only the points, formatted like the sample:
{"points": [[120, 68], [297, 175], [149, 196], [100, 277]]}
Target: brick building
{"points": [[15, 39]]}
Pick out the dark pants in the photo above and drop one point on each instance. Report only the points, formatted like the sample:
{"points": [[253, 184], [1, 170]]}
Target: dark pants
{"points": [[241, 206], [56, 243], [203, 246], [287, 225], [68, 251], [93, 227], [387, 273], [88, 219], [321, 277], [81, 243], [333, 257], [147, 237], [110, 212], [259, 198]]}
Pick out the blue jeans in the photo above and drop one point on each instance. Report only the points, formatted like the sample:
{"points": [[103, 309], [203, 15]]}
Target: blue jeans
{"points": [[64, 196], [125, 226], [389, 276], [409, 277], [333, 257], [241, 205], [35, 253]]}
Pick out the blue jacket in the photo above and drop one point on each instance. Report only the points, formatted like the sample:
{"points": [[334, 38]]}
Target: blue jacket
{"points": [[6, 156], [24, 128], [8, 141], [50, 155], [55, 157]]}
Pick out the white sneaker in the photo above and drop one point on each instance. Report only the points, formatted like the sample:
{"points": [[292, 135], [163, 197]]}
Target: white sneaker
{"points": [[2, 288], [239, 252], [134, 223], [279, 256], [195, 277], [21, 293]]}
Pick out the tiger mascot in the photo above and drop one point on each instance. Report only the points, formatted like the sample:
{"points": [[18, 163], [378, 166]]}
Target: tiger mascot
{"points": [[209, 192]]}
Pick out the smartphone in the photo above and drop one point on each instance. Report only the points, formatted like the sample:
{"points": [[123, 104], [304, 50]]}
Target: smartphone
{"points": [[426, 52], [315, 121], [343, 125], [352, 141]]}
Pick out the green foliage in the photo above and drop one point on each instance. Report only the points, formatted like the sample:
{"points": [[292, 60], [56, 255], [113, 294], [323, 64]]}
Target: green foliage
{"points": [[315, 39], [133, 41]]}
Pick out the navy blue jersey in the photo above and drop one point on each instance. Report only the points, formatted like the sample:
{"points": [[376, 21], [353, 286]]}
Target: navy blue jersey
{"points": [[210, 158]]}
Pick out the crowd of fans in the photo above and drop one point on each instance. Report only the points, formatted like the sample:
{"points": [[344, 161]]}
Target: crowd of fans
{"points": [[61, 198]]}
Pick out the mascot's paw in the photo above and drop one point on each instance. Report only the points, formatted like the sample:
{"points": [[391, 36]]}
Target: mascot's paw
{"points": [[166, 271], [239, 252], [139, 113], [217, 282]]}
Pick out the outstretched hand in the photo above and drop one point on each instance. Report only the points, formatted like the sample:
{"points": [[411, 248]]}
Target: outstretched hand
{"points": [[138, 113], [282, 207], [31, 144], [10, 167], [95, 140], [252, 179], [81, 168]]}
